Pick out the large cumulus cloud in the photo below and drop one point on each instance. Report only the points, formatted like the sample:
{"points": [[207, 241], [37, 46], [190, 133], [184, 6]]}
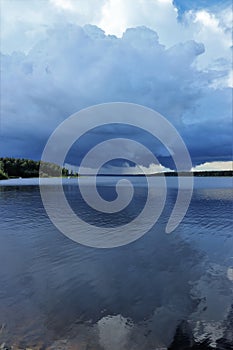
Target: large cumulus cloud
{"points": [[74, 67]]}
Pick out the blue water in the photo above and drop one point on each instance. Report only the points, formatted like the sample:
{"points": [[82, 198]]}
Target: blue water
{"points": [[56, 292]]}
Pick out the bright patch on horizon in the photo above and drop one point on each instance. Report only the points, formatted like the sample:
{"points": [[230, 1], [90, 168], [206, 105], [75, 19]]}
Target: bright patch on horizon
{"points": [[212, 166]]}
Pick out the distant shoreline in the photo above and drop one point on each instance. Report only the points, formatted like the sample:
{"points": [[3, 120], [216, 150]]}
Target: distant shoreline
{"points": [[222, 173], [13, 168], [228, 173]]}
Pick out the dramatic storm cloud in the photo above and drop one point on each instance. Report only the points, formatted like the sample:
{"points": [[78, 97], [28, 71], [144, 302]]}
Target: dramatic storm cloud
{"points": [[145, 52]]}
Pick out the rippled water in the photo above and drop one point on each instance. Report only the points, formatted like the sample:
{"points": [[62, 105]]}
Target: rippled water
{"points": [[153, 293]]}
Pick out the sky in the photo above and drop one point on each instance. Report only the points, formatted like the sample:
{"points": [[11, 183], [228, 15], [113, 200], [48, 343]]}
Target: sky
{"points": [[59, 56]]}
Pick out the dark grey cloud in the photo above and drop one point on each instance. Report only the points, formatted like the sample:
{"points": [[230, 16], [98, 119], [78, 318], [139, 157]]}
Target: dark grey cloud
{"points": [[75, 67]]}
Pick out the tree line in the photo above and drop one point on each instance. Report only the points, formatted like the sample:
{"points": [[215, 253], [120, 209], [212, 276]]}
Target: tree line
{"points": [[203, 173], [20, 167]]}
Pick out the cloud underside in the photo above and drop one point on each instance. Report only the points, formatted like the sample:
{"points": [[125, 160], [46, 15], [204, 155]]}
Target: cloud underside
{"points": [[70, 67]]}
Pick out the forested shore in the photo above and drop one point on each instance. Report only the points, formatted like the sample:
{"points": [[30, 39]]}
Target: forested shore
{"points": [[25, 168]]}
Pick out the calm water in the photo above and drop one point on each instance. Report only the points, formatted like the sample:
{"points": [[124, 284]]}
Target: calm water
{"points": [[159, 291]]}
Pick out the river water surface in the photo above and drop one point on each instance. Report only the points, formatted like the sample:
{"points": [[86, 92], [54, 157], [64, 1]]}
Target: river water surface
{"points": [[161, 291]]}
